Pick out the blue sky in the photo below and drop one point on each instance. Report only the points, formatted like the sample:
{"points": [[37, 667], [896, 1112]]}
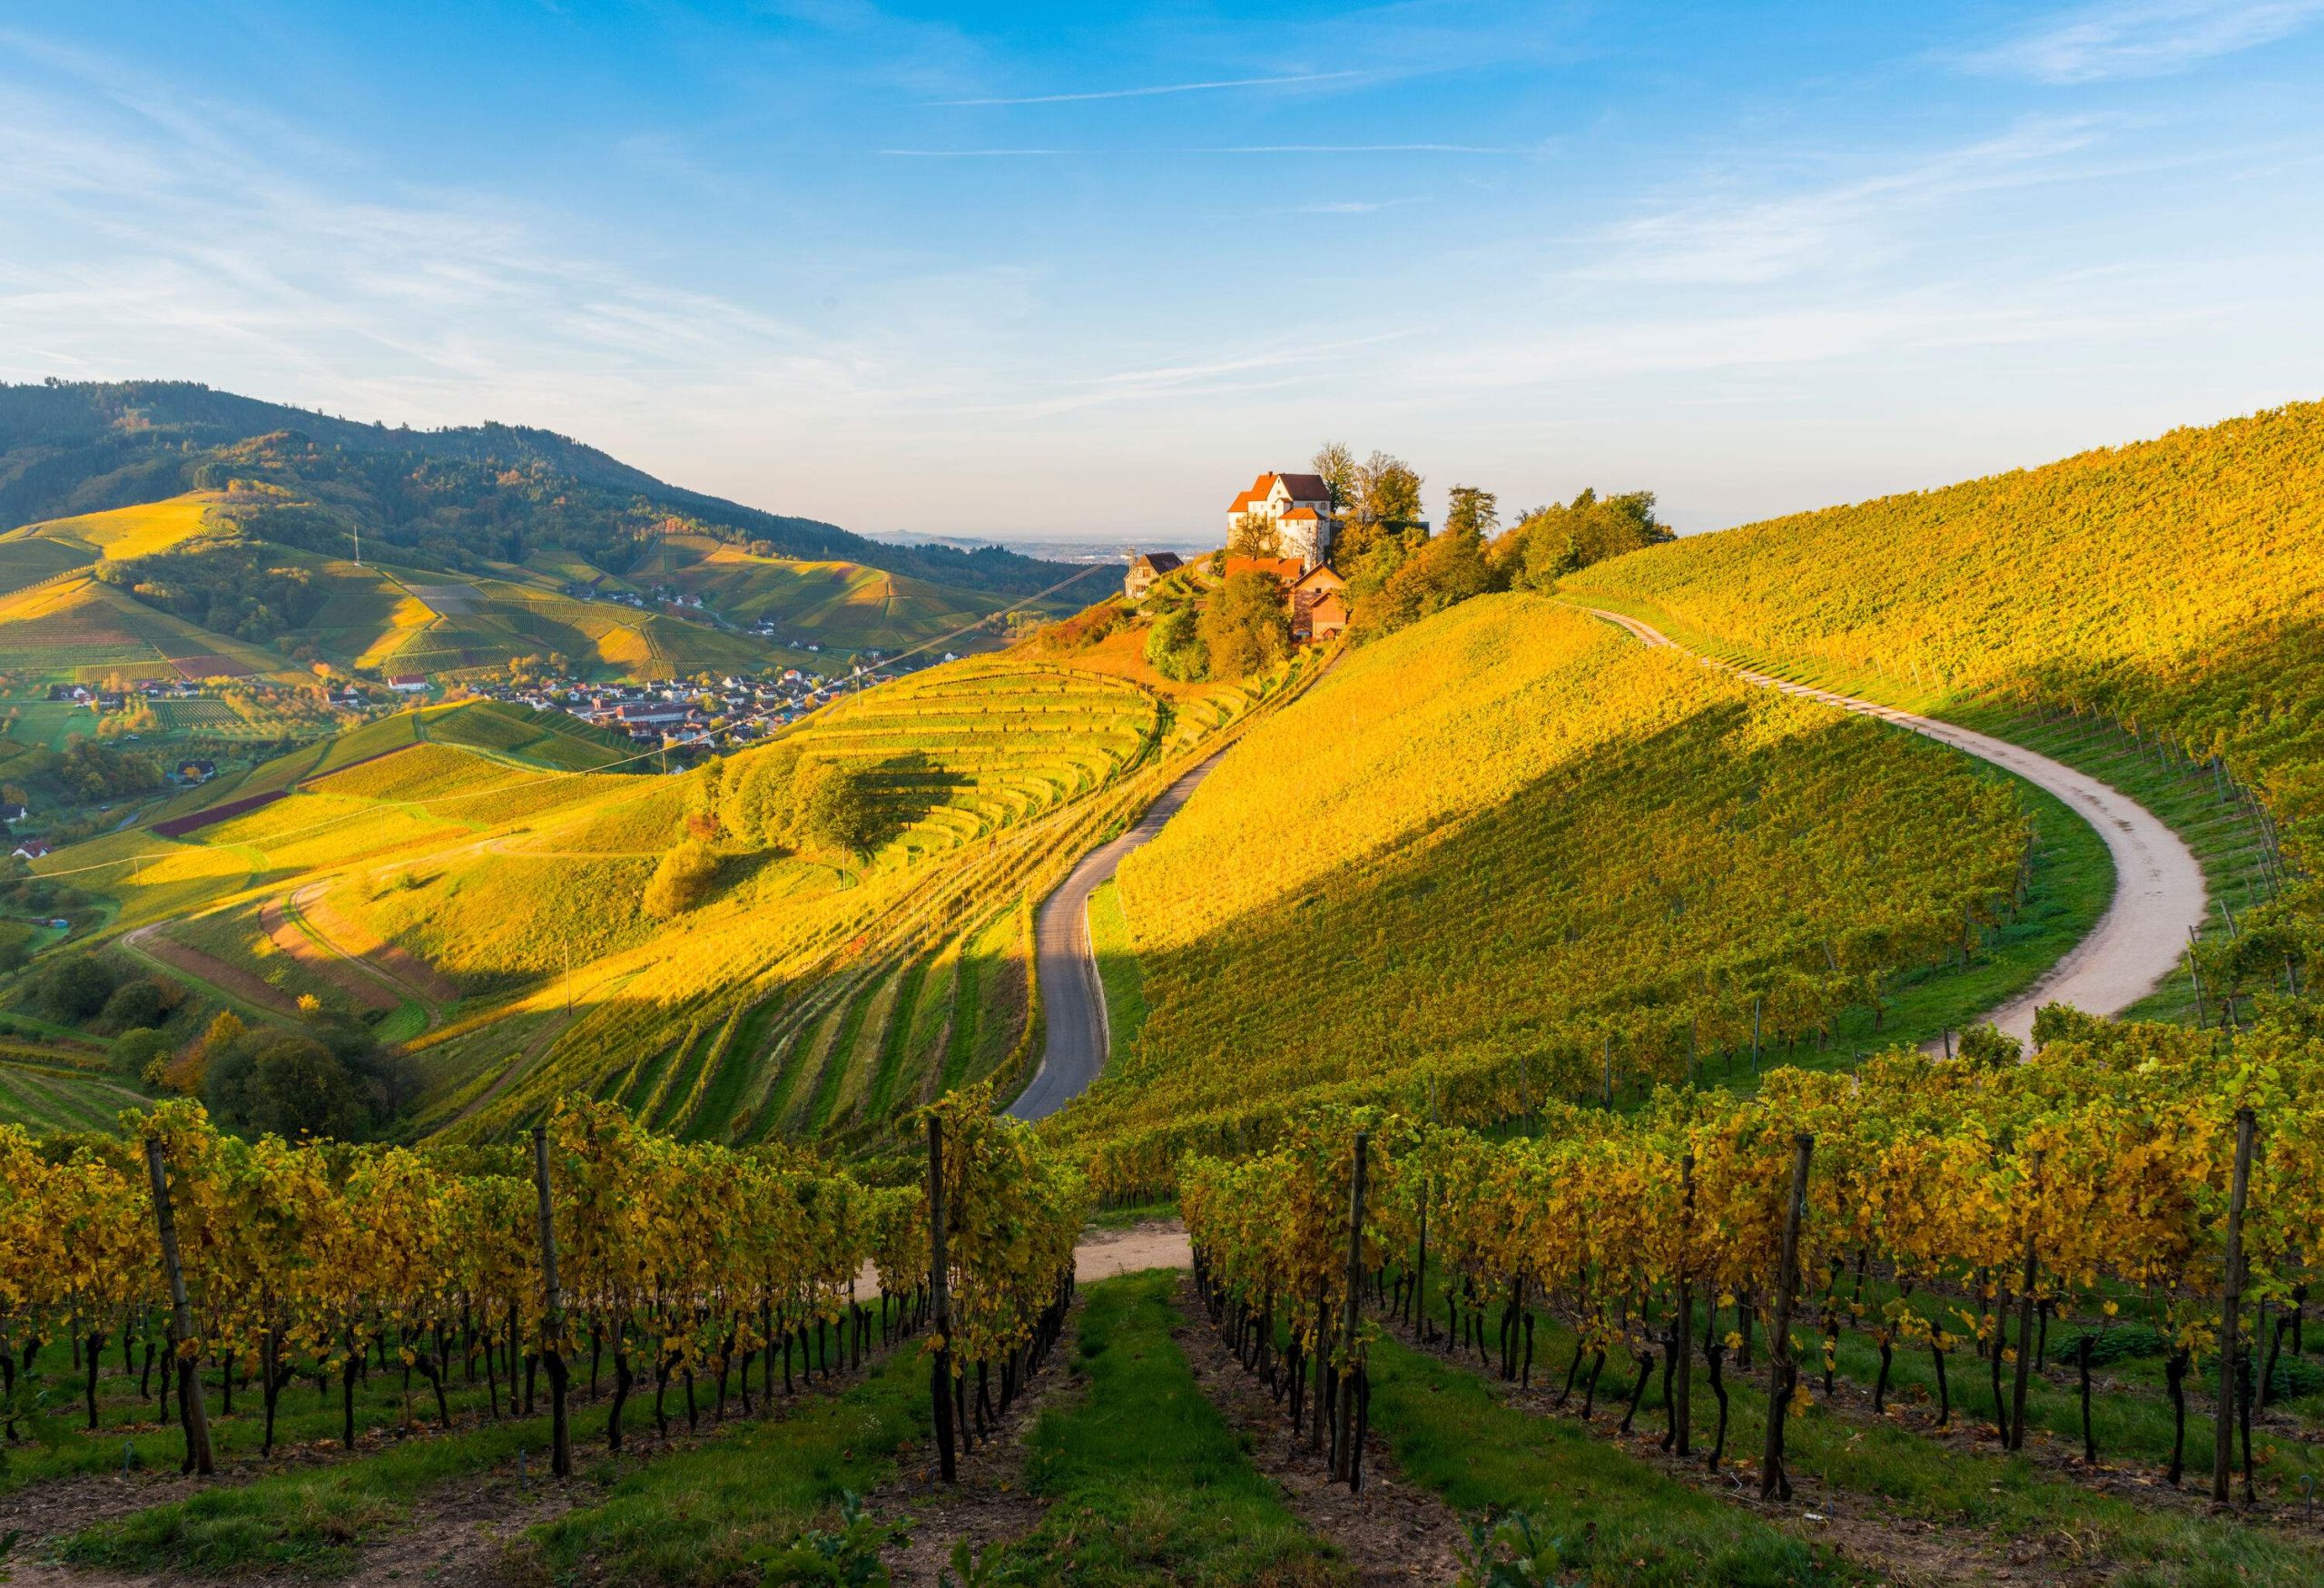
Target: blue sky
{"points": [[1082, 271]]}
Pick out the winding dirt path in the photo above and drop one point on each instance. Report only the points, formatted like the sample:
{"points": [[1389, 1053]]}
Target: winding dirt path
{"points": [[333, 967], [2159, 889]]}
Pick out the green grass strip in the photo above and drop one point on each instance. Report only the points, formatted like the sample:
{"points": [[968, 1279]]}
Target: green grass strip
{"points": [[704, 1516], [311, 1518], [1618, 1520], [1119, 972], [1145, 1482]]}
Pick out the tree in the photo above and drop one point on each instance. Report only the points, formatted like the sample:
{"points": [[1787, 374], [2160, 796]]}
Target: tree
{"points": [[1471, 511], [1552, 542], [1174, 647], [289, 1086], [1243, 625], [136, 1051], [1256, 534], [73, 988], [1336, 466], [133, 1004], [839, 808], [1383, 503], [758, 797], [683, 880], [1444, 572]]}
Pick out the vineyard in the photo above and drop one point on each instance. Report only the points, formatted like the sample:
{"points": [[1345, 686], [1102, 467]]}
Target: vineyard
{"points": [[2168, 587], [1652, 870], [814, 995], [597, 1263], [2101, 1255]]}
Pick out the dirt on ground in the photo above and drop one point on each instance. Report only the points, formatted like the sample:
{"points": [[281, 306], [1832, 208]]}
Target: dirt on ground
{"points": [[1156, 1243], [989, 1505], [156, 941], [1394, 1533], [285, 936]]}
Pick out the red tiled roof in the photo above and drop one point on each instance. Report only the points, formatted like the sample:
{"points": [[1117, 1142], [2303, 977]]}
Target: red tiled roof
{"points": [[1320, 578], [1243, 501], [1282, 568], [1303, 513]]}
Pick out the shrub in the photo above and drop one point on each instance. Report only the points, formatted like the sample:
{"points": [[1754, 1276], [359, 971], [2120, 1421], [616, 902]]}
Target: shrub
{"points": [[685, 879], [75, 988], [134, 1052], [1243, 626], [839, 808], [1175, 647], [134, 1004]]}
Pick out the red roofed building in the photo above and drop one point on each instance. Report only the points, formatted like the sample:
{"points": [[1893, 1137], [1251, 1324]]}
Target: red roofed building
{"points": [[1300, 505], [1283, 570]]}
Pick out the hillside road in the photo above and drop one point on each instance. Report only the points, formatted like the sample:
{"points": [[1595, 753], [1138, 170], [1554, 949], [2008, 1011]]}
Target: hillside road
{"points": [[2159, 890], [1072, 1000]]}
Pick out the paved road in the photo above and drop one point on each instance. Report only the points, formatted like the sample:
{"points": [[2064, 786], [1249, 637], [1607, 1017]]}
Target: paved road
{"points": [[2159, 890], [1071, 1000]]}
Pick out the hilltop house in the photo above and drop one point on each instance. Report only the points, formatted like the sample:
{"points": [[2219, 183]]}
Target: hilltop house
{"points": [[1145, 569], [1299, 505]]}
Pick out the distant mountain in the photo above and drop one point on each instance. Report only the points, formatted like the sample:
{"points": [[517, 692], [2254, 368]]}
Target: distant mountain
{"points": [[450, 495]]}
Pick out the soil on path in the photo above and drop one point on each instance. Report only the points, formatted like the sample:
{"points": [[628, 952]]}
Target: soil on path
{"points": [[1392, 1534], [2159, 889]]}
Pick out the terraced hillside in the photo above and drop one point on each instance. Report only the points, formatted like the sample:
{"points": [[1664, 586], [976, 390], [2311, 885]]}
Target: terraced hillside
{"points": [[814, 990], [1509, 854]]}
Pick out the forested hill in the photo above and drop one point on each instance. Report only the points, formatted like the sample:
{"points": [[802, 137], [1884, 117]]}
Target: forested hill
{"points": [[451, 495]]}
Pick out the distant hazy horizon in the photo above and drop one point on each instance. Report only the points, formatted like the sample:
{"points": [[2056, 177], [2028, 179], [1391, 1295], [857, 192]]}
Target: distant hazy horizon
{"points": [[1036, 273]]}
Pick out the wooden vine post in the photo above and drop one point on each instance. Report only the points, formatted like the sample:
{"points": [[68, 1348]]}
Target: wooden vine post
{"points": [[2024, 1322], [1779, 1364], [1682, 1332], [1351, 1428], [560, 1434], [939, 1373], [2231, 1307], [190, 1409]]}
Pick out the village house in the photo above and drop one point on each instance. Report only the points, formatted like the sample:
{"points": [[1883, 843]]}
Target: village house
{"points": [[1300, 508], [1147, 567], [408, 684], [1318, 605]]}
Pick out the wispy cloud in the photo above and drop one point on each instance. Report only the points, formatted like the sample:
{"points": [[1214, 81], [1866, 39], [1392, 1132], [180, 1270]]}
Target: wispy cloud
{"points": [[1724, 238], [2141, 38], [1156, 89], [1355, 206], [1214, 148]]}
